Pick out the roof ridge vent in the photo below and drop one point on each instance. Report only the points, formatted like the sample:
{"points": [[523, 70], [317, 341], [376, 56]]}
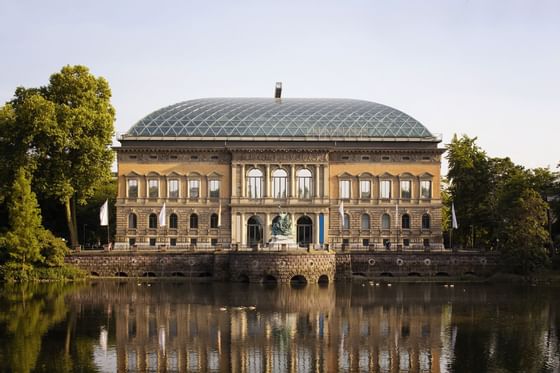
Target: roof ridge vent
{"points": [[278, 91]]}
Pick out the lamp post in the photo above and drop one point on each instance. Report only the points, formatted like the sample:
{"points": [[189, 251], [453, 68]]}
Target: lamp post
{"points": [[84, 241]]}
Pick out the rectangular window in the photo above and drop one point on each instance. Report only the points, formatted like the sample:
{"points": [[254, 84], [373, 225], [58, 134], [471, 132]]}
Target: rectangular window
{"points": [[425, 189], [365, 189], [193, 241], [406, 189], [214, 188], [344, 189], [172, 242], [279, 187], [304, 187], [131, 241], [153, 188], [385, 189], [406, 242], [426, 242], [132, 188], [152, 241], [365, 242], [214, 242], [173, 188], [194, 188], [254, 186]]}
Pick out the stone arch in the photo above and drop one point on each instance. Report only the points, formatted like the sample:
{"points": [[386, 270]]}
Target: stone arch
{"points": [[243, 278], [269, 279], [94, 274], [298, 280], [121, 274], [254, 231], [442, 274], [386, 274], [149, 274], [304, 230], [414, 274], [323, 279]]}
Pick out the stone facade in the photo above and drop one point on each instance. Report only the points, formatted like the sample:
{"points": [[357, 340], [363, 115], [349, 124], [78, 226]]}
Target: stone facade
{"points": [[282, 267]]}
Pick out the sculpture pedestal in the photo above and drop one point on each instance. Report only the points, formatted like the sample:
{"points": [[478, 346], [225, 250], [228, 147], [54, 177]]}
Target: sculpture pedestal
{"points": [[281, 242]]}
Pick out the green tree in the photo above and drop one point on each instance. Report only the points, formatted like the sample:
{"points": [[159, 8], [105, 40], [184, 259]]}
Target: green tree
{"points": [[63, 133], [470, 187], [21, 242]]}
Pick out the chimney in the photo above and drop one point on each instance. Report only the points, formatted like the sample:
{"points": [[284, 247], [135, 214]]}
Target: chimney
{"points": [[278, 90]]}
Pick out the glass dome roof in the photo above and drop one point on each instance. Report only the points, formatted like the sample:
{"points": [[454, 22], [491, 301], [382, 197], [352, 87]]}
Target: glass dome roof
{"points": [[278, 118]]}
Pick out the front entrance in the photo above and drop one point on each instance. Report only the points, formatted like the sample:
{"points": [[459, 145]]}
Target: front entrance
{"points": [[304, 231], [254, 231]]}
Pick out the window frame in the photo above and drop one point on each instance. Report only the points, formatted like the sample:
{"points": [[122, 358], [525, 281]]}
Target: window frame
{"points": [[128, 194], [214, 193], [156, 181], [214, 219], [169, 191], [388, 219], [401, 189], [279, 184], [426, 218], [430, 189], [368, 222], [176, 218], [403, 221], [193, 221], [254, 184], [150, 221], [303, 182], [363, 182], [345, 193], [382, 189], [346, 221], [192, 182], [134, 218]]}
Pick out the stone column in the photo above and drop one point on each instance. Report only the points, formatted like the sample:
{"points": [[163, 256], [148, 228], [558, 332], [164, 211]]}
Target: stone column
{"points": [[316, 181], [243, 230], [267, 181], [316, 230], [234, 177], [267, 231], [243, 178], [292, 180]]}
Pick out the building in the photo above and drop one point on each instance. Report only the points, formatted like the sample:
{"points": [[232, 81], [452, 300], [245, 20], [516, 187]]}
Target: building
{"points": [[347, 172]]}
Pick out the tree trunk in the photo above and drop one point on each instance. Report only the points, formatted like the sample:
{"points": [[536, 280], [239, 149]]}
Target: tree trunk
{"points": [[70, 222]]}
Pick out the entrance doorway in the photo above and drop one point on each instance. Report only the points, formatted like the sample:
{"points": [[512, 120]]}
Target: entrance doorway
{"points": [[254, 231], [304, 231]]}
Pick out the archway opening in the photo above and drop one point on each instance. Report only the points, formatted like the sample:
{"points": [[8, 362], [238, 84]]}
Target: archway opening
{"points": [[359, 275], [386, 274], [442, 274], [121, 274], [469, 273], [304, 231], [269, 279], [94, 274], [205, 274], [414, 274], [254, 231], [243, 278], [148, 274], [177, 274], [323, 280], [298, 281]]}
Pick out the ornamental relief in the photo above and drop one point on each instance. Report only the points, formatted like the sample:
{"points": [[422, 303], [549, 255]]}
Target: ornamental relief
{"points": [[281, 157]]}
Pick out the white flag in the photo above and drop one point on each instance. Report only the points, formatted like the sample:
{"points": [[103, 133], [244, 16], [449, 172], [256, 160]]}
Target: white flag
{"points": [[341, 212], [104, 214], [220, 215], [162, 217], [454, 224]]}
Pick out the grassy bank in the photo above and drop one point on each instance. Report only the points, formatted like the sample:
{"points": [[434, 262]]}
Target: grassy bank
{"points": [[16, 272]]}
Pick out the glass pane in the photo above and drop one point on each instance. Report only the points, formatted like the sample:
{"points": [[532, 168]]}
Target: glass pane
{"points": [[365, 189], [345, 189], [153, 191], [133, 188], [173, 188], [406, 189], [425, 189], [385, 189]]}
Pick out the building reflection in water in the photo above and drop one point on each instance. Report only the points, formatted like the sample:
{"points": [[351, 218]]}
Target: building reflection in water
{"points": [[206, 328]]}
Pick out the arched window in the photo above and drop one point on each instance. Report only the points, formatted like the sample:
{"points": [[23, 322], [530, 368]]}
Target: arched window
{"points": [[193, 221], [405, 221], [152, 221], [173, 221], [254, 183], [425, 221], [385, 221], [365, 221], [132, 221], [214, 221], [279, 183], [346, 222], [304, 183]]}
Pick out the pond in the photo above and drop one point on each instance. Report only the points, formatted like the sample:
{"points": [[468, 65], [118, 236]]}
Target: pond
{"points": [[164, 326]]}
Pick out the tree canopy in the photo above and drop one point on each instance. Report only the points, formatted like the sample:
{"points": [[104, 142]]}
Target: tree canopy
{"points": [[61, 133]]}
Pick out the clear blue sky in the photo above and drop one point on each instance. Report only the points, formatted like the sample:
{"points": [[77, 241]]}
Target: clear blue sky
{"points": [[487, 68]]}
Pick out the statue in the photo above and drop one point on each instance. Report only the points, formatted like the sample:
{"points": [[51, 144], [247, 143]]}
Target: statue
{"points": [[282, 226]]}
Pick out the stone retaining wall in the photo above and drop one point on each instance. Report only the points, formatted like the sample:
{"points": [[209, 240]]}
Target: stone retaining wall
{"points": [[282, 266]]}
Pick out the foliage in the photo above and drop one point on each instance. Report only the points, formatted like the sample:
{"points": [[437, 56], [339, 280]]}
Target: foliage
{"points": [[90, 230], [61, 133], [500, 204], [22, 243]]}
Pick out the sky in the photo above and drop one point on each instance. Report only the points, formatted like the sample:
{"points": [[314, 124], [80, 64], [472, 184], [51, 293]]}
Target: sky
{"points": [[489, 69]]}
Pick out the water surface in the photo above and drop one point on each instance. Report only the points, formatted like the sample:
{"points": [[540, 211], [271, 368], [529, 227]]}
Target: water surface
{"points": [[137, 326]]}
